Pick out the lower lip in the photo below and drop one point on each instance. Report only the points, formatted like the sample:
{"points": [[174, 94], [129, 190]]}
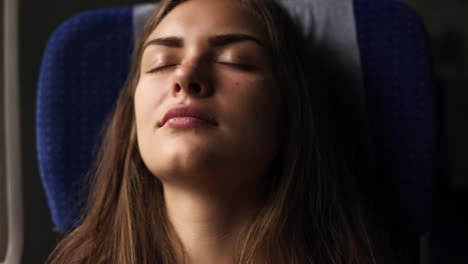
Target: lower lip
{"points": [[186, 122]]}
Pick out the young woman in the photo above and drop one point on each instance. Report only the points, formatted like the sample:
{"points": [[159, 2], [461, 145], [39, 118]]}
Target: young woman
{"points": [[217, 151]]}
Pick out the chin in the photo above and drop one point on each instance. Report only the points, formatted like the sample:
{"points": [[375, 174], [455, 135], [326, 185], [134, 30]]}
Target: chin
{"points": [[186, 160]]}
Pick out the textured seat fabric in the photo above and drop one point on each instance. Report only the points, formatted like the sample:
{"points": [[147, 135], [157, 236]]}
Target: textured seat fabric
{"points": [[84, 65], [381, 43], [400, 105]]}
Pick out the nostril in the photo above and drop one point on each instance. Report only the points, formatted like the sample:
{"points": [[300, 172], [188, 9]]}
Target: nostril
{"points": [[195, 87], [178, 88]]}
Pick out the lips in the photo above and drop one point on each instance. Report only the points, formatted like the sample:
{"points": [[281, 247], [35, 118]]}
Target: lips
{"points": [[187, 112]]}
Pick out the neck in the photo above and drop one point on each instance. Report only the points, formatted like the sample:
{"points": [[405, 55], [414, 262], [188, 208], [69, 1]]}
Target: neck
{"points": [[208, 225]]}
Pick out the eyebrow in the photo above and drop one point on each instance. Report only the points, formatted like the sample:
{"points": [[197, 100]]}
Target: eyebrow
{"points": [[215, 41], [227, 39]]}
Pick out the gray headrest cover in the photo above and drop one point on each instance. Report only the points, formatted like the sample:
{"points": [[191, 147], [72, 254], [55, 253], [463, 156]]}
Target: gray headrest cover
{"points": [[141, 13]]}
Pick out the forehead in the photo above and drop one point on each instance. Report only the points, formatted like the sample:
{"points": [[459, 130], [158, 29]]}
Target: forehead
{"points": [[199, 18]]}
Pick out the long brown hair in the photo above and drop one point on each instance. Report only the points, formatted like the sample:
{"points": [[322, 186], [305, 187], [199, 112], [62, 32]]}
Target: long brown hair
{"points": [[314, 212]]}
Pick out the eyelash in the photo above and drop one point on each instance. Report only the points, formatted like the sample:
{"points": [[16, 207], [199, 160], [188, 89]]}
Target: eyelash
{"points": [[240, 66], [160, 68]]}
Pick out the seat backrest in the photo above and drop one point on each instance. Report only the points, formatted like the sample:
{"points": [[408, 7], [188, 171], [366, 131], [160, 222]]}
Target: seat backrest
{"points": [[381, 45], [85, 63]]}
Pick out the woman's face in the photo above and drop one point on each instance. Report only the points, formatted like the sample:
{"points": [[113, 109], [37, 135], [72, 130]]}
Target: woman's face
{"points": [[206, 104]]}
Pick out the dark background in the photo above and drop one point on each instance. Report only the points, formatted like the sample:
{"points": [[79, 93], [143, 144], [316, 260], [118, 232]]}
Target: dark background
{"points": [[446, 22]]}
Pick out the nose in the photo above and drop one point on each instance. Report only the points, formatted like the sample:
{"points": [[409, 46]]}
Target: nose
{"points": [[192, 80]]}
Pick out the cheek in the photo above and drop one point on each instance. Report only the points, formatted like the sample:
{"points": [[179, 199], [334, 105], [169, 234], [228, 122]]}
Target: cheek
{"points": [[253, 105], [149, 95], [251, 99]]}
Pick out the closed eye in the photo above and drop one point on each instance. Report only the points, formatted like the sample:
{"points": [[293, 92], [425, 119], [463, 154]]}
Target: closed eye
{"points": [[160, 68], [239, 66]]}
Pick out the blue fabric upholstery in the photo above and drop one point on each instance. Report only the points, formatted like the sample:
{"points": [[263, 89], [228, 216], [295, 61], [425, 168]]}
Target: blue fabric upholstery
{"points": [[399, 90], [84, 65], [87, 59]]}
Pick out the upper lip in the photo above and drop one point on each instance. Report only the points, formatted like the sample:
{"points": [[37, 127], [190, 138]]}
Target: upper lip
{"points": [[186, 111]]}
